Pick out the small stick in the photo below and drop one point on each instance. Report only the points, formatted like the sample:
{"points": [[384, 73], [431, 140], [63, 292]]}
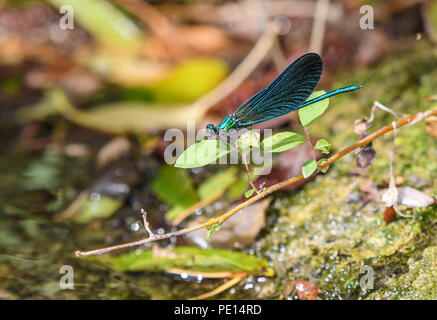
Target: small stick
{"points": [[308, 140], [146, 224], [243, 159], [249, 177], [377, 105]]}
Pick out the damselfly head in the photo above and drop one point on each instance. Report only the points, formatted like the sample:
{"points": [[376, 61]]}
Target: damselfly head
{"points": [[211, 130]]}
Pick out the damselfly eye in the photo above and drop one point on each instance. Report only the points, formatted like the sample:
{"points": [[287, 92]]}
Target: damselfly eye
{"points": [[211, 130]]}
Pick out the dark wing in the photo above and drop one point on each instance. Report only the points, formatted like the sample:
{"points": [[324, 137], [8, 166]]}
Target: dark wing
{"points": [[284, 94]]}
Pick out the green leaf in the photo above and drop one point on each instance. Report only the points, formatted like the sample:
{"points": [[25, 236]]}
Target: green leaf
{"points": [[217, 183], [201, 153], [248, 193], [309, 167], [323, 146], [174, 212], [97, 209], [282, 141], [188, 258], [211, 229], [44, 173], [174, 186], [237, 189], [311, 113], [248, 140]]}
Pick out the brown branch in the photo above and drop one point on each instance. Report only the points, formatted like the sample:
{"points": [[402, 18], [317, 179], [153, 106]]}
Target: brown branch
{"points": [[407, 120]]}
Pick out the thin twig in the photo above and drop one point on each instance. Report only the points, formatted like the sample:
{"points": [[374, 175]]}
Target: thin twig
{"points": [[308, 141], [146, 224], [243, 159], [267, 191], [230, 283], [380, 106]]}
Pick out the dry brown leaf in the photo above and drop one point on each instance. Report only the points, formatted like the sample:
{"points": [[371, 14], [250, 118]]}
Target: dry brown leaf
{"points": [[113, 150], [239, 230]]}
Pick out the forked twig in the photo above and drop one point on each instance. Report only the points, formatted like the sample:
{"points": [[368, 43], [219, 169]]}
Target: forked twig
{"points": [[146, 224]]}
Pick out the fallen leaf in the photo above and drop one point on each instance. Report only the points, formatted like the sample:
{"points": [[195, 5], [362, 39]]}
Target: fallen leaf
{"points": [[239, 230], [113, 150], [188, 258], [175, 187]]}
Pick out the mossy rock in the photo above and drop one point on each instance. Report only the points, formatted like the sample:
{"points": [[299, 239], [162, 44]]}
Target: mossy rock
{"points": [[318, 235]]}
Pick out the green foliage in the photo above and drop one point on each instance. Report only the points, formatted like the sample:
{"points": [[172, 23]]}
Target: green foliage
{"points": [[311, 113], [97, 209], [309, 167], [248, 140], [202, 153], [248, 193], [238, 187], [207, 151], [282, 141], [211, 229], [217, 183], [44, 173], [175, 187], [323, 146]]}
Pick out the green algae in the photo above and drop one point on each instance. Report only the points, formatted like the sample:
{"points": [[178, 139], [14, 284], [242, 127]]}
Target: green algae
{"points": [[419, 282]]}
